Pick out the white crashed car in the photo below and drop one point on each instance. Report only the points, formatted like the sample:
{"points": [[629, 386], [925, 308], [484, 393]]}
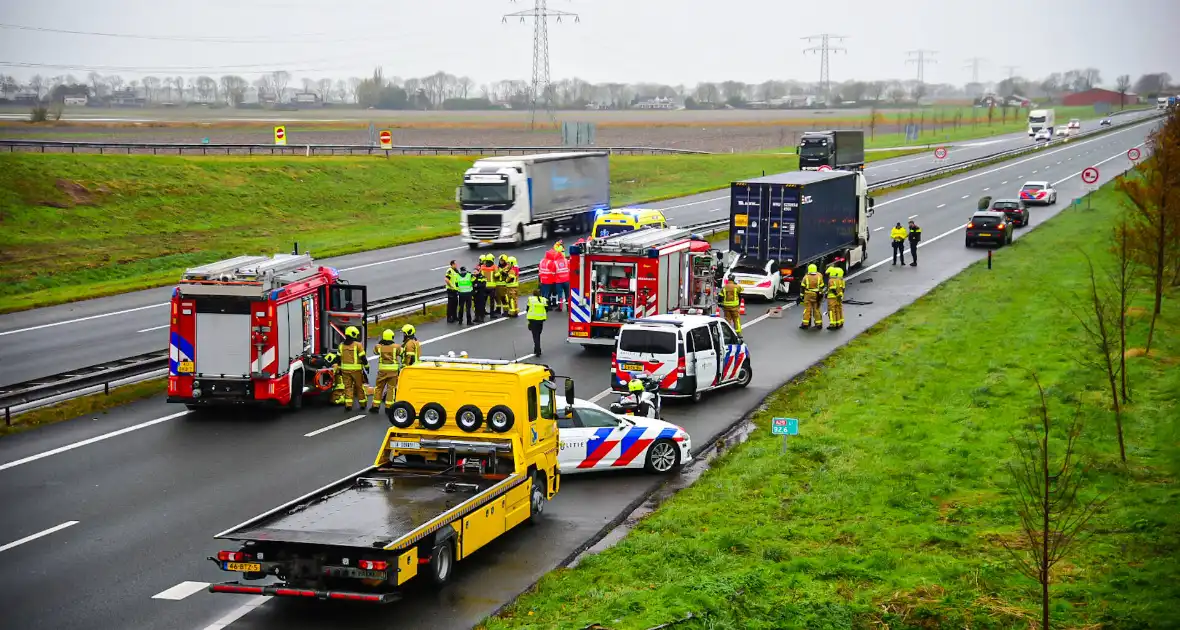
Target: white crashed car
{"points": [[593, 438], [757, 277], [1039, 193]]}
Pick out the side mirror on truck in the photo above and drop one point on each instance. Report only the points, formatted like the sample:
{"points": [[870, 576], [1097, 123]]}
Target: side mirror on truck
{"points": [[871, 203], [569, 392]]}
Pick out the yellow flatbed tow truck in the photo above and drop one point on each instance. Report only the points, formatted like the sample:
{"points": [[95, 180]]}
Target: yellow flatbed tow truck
{"points": [[472, 453]]}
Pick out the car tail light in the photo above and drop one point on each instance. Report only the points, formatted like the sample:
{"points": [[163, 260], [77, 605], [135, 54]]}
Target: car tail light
{"points": [[232, 556], [681, 367], [970, 226], [1000, 226], [374, 565], [764, 285], [614, 359]]}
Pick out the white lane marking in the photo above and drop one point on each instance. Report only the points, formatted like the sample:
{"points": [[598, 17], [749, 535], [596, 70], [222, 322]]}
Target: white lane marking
{"points": [[393, 260], [82, 319], [879, 228], [692, 203], [241, 611], [715, 210], [1034, 172], [527, 356], [105, 436], [964, 178], [964, 196], [941, 205], [529, 249], [1059, 161], [153, 328], [439, 268], [914, 216], [988, 188], [46, 532], [1003, 183], [600, 395], [333, 426], [181, 591]]}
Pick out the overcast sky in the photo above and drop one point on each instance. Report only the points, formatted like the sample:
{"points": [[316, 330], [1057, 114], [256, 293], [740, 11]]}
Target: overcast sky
{"points": [[666, 41]]}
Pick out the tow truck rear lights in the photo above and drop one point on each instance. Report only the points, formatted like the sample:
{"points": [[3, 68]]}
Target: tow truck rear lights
{"points": [[356, 597], [374, 565], [234, 588], [294, 592], [232, 556]]}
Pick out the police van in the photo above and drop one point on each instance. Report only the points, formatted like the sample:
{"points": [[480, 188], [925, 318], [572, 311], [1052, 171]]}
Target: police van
{"points": [[687, 354]]}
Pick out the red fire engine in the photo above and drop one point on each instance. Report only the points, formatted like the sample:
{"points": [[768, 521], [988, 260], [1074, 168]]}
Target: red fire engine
{"points": [[631, 275], [253, 330]]}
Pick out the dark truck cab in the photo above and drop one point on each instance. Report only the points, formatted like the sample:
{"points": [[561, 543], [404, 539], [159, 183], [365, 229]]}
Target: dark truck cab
{"points": [[839, 150]]}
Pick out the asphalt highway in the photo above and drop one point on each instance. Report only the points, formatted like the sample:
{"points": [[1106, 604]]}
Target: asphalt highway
{"points": [[108, 520], [45, 341]]}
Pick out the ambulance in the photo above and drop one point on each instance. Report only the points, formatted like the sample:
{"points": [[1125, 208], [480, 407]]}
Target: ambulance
{"points": [[253, 330], [638, 274]]}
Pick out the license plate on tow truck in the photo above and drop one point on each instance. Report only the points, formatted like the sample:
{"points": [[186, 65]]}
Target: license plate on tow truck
{"points": [[246, 567], [404, 444]]}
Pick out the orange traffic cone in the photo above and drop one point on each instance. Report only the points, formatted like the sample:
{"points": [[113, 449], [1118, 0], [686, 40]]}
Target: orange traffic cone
{"points": [[743, 307]]}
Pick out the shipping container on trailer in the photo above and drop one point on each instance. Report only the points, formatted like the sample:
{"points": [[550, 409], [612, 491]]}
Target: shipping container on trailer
{"points": [[254, 329], [800, 218], [637, 274]]}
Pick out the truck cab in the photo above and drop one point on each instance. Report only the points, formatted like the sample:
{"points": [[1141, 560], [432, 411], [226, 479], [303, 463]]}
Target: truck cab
{"points": [[1039, 119], [472, 453], [838, 149]]}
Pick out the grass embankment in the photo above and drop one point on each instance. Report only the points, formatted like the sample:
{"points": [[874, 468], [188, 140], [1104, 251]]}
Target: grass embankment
{"points": [[78, 227], [890, 508], [85, 226]]}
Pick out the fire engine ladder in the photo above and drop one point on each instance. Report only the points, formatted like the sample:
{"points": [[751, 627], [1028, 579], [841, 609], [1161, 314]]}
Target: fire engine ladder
{"points": [[638, 241], [270, 272]]}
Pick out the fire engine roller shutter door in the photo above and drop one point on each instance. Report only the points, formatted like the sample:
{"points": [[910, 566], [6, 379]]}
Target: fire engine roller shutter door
{"points": [[669, 294], [283, 338], [223, 344]]}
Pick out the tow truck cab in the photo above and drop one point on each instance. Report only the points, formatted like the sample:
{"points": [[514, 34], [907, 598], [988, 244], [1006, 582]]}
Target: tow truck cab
{"points": [[472, 453]]}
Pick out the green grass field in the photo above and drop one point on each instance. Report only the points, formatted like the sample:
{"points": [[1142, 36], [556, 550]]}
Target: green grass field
{"points": [[890, 508], [81, 226]]}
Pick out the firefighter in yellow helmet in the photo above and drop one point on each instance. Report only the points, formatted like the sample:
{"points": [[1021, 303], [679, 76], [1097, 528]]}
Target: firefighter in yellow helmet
{"points": [[812, 285], [411, 348], [337, 382], [389, 363], [731, 302], [512, 288], [500, 277], [353, 366], [835, 297]]}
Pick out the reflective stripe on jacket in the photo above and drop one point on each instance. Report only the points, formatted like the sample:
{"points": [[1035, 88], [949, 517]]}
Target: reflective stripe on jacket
{"points": [[389, 356], [813, 283], [410, 352], [563, 269], [547, 270], [730, 294], [450, 278], [352, 356], [463, 283], [536, 309]]}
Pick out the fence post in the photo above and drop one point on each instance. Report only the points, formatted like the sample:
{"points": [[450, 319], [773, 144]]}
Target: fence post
{"points": [[8, 416], [106, 388]]}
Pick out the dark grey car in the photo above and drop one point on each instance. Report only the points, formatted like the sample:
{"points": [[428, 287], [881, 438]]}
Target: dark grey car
{"points": [[989, 227], [1014, 208]]}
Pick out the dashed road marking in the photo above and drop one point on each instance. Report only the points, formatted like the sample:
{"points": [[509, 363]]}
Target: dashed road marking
{"points": [[181, 591]]}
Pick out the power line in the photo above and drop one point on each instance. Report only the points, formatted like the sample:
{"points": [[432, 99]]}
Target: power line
{"points": [[973, 63], [824, 49], [921, 57], [298, 38], [1011, 71], [541, 87]]}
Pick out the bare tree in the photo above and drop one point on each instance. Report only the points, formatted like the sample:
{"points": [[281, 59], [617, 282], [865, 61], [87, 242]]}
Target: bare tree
{"points": [[150, 86], [353, 83], [1122, 84], [116, 82], [180, 82], [37, 85], [324, 88], [278, 81], [308, 84], [1100, 322], [1053, 517]]}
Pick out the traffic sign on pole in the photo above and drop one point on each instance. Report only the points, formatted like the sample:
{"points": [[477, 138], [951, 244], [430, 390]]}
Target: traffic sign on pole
{"points": [[940, 153], [824, 167], [1133, 154], [1090, 175], [386, 139], [784, 427], [281, 135]]}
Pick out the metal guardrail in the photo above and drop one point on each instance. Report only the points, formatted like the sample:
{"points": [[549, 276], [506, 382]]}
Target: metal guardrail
{"points": [[84, 381], [180, 148]]}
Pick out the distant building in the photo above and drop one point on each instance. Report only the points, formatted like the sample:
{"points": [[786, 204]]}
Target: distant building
{"points": [[75, 101], [656, 103], [131, 97], [306, 99], [1098, 95], [26, 96]]}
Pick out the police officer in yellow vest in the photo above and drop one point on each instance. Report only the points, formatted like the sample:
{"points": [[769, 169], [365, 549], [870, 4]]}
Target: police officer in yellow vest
{"points": [[452, 275], [835, 297], [389, 362], [898, 234], [731, 301], [411, 348], [537, 313], [464, 285], [511, 286], [812, 285], [353, 364]]}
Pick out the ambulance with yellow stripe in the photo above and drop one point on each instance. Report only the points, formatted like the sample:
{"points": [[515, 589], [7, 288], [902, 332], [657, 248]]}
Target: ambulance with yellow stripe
{"points": [[472, 453]]}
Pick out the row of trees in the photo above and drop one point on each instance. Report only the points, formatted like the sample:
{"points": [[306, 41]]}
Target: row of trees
{"points": [[442, 90]]}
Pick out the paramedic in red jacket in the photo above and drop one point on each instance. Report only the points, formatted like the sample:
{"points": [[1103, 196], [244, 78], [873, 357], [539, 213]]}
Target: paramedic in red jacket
{"points": [[547, 276], [562, 287]]}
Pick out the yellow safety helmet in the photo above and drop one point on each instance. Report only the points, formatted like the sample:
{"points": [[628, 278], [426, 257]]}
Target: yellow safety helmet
{"points": [[352, 332], [408, 329], [512, 260], [635, 385], [812, 269], [504, 257], [387, 335], [839, 272], [833, 271]]}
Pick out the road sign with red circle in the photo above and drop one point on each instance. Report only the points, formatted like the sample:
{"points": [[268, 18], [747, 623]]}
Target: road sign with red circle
{"points": [[386, 139], [940, 153], [280, 135], [1133, 154], [1090, 175], [824, 167]]}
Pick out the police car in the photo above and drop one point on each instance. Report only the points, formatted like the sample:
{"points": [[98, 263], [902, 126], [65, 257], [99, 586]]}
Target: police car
{"points": [[1038, 192], [593, 438], [687, 355]]}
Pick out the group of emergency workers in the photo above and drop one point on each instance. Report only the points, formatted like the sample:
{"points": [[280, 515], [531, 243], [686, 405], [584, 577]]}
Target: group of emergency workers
{"points": [[352, 367], [813, 287], [490, 290]]}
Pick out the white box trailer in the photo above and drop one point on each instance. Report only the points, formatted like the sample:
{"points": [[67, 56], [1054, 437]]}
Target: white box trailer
{"points": [[520, 198]]}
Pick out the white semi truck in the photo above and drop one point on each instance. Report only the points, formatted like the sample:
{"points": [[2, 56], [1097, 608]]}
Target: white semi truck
{"points": [[1039, 119], [516, 199]]}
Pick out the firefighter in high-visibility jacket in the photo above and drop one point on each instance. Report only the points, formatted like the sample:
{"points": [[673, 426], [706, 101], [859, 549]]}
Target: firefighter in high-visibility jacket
{"points": [[511, 287], [389, 363], [501, 276], [353, 365], [337, 382], [411, 348], [487, 269], [731, 302], [812, 285], [835, 297]]}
